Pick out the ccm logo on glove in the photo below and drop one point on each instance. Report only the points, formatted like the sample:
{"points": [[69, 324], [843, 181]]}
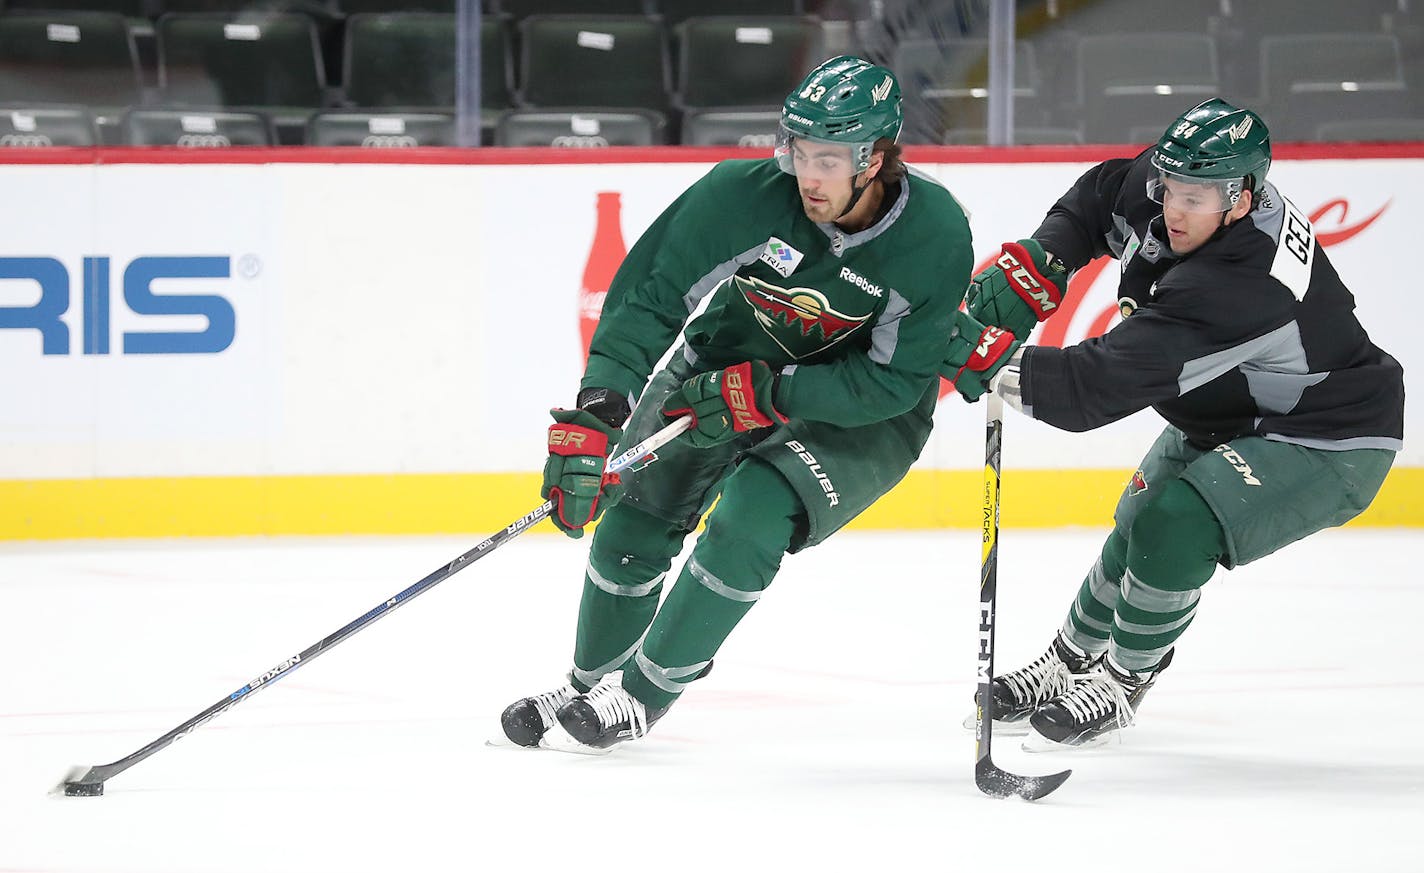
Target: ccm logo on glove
{"points": [[1037, 292]]}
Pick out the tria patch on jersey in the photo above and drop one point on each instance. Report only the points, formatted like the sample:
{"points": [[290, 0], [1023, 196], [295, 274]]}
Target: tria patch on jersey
{"points": [[780, 257], [1137, 485], [800, 320]]}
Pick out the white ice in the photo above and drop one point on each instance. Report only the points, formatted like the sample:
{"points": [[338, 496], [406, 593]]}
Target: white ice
{"points": [[1287, 735]]}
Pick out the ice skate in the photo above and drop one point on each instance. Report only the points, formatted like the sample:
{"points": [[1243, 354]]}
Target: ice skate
{"points": [[1094, 710], [524, 722], [1018, 694], [602, 718]]}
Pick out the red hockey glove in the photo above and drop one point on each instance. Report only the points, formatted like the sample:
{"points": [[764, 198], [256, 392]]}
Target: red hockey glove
{"points": [[579, 444], [725, 403], [1020, 289], [976, 353]]}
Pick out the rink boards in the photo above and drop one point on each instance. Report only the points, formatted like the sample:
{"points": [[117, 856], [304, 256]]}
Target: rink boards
{"points": [[320, 341]]}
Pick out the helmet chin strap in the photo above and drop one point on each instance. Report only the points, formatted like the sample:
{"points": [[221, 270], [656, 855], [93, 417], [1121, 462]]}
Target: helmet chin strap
{"points": [[855, 194]]}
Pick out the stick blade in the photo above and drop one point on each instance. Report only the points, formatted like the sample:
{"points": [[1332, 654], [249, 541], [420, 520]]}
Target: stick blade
{"points": [[1001, 783], [79, 781]]}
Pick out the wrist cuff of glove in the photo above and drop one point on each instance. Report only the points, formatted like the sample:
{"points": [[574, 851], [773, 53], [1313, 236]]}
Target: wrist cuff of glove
{"points": [[605, 404], [568, 439], [750, 402]]}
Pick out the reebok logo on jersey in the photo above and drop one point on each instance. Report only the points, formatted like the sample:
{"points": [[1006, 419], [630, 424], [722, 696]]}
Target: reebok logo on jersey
{"points": [[1232, 457], [815, 467], [861, 282], [780, 257]]}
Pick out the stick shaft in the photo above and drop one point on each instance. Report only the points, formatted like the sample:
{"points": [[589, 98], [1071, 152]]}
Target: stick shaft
{"points": [[988, 577], [103, 772]]}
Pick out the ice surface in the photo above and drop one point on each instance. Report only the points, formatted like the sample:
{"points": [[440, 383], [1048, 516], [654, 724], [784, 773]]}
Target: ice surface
{"points": [[1286, 736]]}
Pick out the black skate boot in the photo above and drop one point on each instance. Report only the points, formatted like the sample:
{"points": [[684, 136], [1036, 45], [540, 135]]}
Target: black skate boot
{"points": [[606, 716], [526, 721], [1018, 694], [1097, 705]]}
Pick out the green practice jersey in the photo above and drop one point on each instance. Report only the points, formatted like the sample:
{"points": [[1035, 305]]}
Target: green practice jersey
{"points": [[857, 323]]}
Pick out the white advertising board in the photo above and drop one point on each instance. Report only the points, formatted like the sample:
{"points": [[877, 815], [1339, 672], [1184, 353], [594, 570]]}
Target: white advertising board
{"points": [[290, 318]]}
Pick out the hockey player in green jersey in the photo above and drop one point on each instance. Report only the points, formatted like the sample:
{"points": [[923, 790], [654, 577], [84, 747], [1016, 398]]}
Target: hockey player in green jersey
{"points": [[821, 285], [1282, 417]]}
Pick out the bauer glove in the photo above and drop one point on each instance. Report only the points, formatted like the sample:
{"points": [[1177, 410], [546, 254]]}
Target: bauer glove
{"points": [[579, 443], [976, 353], [725, 404], [1021, 288]]}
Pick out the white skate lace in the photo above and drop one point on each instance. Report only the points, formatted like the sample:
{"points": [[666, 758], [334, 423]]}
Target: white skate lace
{"points": [[549, 702], [614, 706], [1044, 679], [1096, 695]]}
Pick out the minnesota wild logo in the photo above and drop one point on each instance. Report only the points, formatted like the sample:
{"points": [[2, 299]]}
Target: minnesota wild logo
{"points": [[800, 320]]}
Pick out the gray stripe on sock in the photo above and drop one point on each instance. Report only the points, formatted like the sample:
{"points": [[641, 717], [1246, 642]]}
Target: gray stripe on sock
{"points": [[1150, 599], [618, 590], [667, 678], [717, 586], [593, 676], [1133, 627]]}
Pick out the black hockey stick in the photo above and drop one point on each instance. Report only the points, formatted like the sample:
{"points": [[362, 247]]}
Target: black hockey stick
{"points": [[89, 781], [990, 779]]}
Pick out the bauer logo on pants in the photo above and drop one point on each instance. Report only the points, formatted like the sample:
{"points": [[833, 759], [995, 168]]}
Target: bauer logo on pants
{"points": [[815, 467]]}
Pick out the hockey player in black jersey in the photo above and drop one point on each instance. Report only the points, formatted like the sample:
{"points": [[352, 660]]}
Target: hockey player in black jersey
{"points": [[1282, 417]]}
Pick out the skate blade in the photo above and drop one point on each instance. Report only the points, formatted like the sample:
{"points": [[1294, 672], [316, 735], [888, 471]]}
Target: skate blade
{"points": [[1037, 743], [557, 739], [1001, 728]]}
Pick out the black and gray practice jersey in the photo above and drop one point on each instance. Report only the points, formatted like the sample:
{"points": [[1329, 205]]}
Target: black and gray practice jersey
{"points": [[1254, 333]]}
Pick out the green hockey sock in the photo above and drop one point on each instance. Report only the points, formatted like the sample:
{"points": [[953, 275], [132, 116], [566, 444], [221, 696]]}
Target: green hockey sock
{"points": [[627, 563], [734, 561], [1089, 622], [1172, 551]]}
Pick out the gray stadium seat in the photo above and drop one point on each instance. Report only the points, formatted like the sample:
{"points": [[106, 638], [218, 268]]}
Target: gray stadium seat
{"points": [[78, 58], [23, 126], [126, 8], [580, 128], [1022, 136], [1372, 130], [593, 61], [753, 60], [1123, 83], [944, 84], [214, 59], [195, 129], [519, 9], [1310, 79], [675, 11], [745, 128], [382, 130]]}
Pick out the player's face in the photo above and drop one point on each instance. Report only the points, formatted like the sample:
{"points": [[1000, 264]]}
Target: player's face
{"points": [[1192, 213], [824, 175]]}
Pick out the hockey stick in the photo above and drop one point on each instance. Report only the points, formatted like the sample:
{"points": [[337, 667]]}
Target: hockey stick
{"points": [[990, 779], [89, 781]]}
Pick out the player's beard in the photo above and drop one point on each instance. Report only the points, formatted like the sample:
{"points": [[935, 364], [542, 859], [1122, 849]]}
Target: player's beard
{"points": [[827, 209]]}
